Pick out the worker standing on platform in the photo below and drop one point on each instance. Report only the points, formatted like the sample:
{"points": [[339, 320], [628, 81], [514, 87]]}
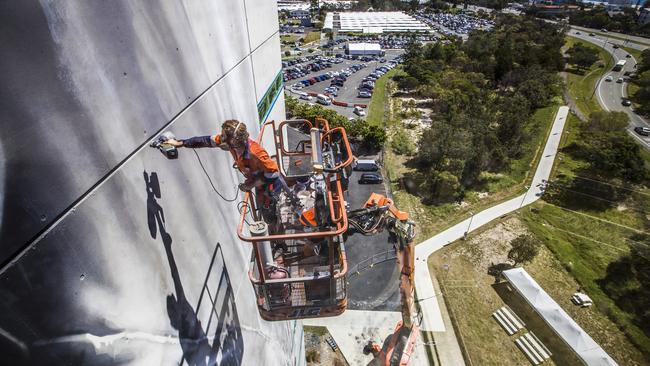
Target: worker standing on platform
{"points": [[251, 159]]}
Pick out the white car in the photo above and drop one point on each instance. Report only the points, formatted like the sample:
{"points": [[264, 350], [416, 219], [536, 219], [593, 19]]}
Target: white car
{"points": [[609, 78], [305, 96], [359, 111]]}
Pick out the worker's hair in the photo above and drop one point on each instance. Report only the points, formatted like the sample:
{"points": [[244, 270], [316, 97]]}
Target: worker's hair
{"points": [[236, 138]]}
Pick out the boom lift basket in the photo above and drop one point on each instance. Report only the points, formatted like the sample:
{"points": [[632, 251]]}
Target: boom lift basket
{"points": [[297, 270]]}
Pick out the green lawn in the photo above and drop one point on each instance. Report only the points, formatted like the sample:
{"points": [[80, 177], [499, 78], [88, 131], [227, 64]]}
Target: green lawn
{"points": [[582, 84], [586, 230], [379, 100], [289, 38], [585, 247], [311, 37], [635, 53]]}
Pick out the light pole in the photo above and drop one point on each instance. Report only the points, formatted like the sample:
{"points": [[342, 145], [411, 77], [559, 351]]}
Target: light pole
{"points": [[524, 199], [468, 226]]}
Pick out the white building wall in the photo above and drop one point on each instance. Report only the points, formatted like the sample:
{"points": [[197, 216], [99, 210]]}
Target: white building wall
{"points": [[139, 263]]}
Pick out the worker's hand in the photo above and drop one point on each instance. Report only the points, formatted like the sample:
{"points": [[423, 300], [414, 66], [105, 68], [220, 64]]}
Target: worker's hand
{"points": [[174, 142]]}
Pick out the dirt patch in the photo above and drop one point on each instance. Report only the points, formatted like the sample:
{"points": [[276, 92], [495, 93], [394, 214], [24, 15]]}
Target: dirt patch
{"points": [[318, 351], [491, 246]]}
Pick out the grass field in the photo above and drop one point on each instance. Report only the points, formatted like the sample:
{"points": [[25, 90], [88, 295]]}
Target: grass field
{"points": [[587, 230], [379, 101], [311, 37], [631, 86], [290, 38], [582, 83], [462, 270]]}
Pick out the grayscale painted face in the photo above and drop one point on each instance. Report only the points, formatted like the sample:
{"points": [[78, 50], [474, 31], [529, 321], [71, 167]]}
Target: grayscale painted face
{"points": [[110, 253]]}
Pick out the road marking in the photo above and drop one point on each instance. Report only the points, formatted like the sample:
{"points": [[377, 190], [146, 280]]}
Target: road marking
{"points": [[600, 97]]}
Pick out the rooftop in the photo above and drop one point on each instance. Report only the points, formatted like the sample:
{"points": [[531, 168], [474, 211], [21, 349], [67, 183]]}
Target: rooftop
{"points": [[391, 21]]}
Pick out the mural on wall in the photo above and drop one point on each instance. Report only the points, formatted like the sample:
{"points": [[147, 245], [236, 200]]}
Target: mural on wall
{"points": [[265, 105], [109, 253], [217, 341]]}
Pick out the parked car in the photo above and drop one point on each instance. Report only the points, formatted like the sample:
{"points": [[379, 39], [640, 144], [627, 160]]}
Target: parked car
{"points": [[581, 299], [323, 99], [364, 93], [366, 165], [305, 96], [370, 178], [359, 111], [643, 131]]}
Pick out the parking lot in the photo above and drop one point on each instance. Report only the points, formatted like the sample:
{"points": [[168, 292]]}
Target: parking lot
{"points": [[348, 92], [454, 24]]}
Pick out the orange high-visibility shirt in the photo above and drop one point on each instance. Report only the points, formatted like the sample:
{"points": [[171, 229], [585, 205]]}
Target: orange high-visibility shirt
{"points": [[254, 160]]}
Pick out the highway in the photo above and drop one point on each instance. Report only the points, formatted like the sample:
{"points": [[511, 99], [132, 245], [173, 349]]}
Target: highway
{"points": [[639, 43], [610, 94]]}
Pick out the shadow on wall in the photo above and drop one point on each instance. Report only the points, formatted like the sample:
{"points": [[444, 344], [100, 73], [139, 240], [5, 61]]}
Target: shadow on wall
{"points": [[220, 341]]}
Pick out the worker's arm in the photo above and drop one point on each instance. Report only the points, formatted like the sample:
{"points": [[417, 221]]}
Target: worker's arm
{"points": [[196, 142]]}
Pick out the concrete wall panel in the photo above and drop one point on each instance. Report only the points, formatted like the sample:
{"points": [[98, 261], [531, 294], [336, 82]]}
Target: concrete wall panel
{"points": [[262, 17], [146, 269], [266, 64], [99, 78]]}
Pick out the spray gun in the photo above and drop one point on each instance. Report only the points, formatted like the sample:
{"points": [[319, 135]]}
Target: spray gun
{"points": [[168, 150]]}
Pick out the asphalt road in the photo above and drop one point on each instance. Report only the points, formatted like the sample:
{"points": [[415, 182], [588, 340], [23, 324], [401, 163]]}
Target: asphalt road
{"points": [[376, 288], [348, 93], [638, 43], [610, 94]]}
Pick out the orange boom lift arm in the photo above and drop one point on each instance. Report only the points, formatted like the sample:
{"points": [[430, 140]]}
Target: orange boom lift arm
{"points": [[378, 214]]}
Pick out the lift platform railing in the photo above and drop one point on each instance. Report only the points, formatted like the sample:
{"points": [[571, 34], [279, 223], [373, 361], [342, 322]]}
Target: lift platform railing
{"points": [[338, 216], [290, 285], [335, 198], [302, 297]]}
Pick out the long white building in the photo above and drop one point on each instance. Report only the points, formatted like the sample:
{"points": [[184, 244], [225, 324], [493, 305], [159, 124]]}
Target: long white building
{"points": [[373, 22]]}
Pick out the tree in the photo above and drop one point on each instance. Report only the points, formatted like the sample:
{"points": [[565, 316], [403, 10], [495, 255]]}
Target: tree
{"points": [[642, 95], [644, 61], [402, 144], [408, 83], [524, 249], [607, 122], [582, 56], [287, 53]]}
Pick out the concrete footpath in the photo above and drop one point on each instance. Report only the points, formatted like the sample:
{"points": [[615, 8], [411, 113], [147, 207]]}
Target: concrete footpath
{"points": [[354, 328], [428, 297]]}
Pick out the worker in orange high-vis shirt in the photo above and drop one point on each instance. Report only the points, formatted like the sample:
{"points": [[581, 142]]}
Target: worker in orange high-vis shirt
{"points": [[251, 159]]}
